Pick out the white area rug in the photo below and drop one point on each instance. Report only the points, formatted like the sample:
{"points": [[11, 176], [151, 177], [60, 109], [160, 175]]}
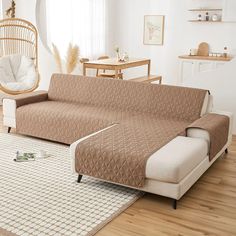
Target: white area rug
{"points": [[42, 197]]}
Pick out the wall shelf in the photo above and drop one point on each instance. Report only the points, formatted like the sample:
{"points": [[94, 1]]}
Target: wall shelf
{"points": [[208, 58], [201, 9], [205, 21], [224, 9]]}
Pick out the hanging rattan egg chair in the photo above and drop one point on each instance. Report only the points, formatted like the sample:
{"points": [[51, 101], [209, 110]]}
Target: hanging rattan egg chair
{"points": [[18, 56]]}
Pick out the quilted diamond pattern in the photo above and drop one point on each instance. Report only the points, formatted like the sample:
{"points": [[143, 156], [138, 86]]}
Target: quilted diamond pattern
{"points": [[165, 101], [64, 122], [147, 117], [120, 153]]}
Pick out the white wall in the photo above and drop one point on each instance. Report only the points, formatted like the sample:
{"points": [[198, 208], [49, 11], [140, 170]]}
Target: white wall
{"points": [[186, 35], [180, 35]]}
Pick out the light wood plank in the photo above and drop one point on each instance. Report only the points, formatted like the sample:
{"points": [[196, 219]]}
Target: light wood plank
{"points": [[147, 79], [209, 58]]}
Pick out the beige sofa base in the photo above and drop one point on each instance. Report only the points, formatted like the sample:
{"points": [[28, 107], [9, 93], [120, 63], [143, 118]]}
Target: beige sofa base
{"points": [[176, 191]]}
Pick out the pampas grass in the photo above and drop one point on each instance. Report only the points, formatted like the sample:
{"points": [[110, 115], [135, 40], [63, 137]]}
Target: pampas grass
{"points": [[57, 57], [72, 58]]}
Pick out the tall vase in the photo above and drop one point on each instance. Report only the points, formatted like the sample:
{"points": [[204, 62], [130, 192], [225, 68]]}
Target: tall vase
{"points": [[118, 56]]}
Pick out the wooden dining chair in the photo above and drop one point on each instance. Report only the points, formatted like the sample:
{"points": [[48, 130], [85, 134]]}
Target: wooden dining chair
{"points": [[107, 74]]}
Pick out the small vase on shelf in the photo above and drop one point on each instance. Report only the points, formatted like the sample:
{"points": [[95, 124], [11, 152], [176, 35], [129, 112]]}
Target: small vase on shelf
{"points": [[118, 56], [199, 18], [225, 54], [117, 50]]}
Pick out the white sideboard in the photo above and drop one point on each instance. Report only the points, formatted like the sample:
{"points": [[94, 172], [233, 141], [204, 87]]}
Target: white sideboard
{"points": [[192, 65]]}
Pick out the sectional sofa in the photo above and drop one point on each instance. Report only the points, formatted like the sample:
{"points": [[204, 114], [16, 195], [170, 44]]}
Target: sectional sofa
{"points": [[156, 138]]}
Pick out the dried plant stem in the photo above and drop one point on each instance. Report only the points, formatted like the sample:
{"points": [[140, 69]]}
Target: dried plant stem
{"points": [[72, 58], [57, 58]]}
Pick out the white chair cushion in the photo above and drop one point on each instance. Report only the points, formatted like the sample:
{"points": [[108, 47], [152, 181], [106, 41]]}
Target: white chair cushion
{"points": [[176, 159], [6, 74], [15, 60], [24, 73], [16, 86]]}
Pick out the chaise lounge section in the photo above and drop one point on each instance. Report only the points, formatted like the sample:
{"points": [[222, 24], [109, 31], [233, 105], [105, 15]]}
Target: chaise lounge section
{"points": [[155, 138]]}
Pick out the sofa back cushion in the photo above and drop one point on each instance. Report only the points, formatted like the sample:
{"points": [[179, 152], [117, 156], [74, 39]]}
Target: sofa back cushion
{"points": [[164, 101]]}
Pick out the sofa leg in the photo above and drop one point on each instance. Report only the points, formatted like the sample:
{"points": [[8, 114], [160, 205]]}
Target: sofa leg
{"points": [[174, 204], [226, 151], [79, 178], [9, 130]]}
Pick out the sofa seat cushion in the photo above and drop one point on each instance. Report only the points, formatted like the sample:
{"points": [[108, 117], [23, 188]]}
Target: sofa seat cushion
{"points": [[176, 159], [64, 122]]}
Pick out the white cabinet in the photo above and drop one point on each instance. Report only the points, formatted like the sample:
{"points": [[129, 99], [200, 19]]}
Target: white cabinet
{"points": [[229, 11], [204, 66], [187, 70], [219, 64], [192, 67]]}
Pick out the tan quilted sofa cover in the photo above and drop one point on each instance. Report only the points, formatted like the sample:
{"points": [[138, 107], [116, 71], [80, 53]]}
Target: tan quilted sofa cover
{"points": [[146, 116], [76, 106]]}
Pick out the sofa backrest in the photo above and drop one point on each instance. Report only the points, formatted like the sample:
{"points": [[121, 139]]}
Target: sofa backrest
{"points": [[161, 100]]}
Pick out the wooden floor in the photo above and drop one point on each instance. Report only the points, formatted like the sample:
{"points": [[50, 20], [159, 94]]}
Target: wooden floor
{"points": [[208, 208]]}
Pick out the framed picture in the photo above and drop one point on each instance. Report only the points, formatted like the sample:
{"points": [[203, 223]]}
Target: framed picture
{"points": [[153, 30]]}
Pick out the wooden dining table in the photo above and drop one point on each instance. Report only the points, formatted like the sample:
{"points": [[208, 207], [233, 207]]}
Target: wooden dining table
{"points": [[115, 65]]}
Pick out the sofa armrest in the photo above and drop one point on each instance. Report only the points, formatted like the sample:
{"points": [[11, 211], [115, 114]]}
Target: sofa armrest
{"points": [[10, 105], [231, 119], [214, 128], [203, 134], [24, 99]]}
